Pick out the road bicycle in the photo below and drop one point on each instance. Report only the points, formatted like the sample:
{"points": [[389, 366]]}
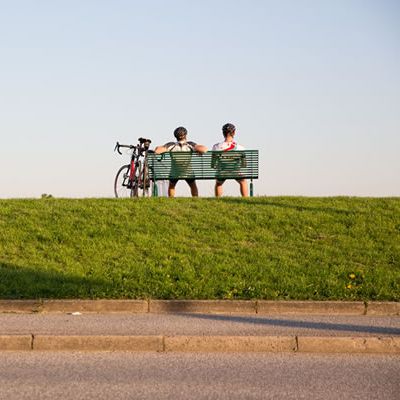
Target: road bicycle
{"points": [[132, 180]]}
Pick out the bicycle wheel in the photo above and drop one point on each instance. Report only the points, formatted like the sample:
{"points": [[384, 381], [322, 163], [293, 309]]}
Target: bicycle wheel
{"points": [[123, 186]]}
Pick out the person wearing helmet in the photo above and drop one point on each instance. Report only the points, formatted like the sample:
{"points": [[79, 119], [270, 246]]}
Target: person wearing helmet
{"points": [[229, 130], [181, 145]]}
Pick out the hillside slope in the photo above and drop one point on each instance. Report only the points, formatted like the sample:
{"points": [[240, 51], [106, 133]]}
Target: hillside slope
{"points": [[259, 248]]}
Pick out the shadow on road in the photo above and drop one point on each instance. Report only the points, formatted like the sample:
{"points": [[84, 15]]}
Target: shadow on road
{"points": [[290, 323]]}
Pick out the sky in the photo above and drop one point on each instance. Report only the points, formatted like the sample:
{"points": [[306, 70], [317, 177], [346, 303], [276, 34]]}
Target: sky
{"points": [[314, 85]]}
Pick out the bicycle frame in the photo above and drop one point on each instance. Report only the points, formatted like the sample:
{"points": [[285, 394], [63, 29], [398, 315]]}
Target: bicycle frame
{"points": [[134, 176]]}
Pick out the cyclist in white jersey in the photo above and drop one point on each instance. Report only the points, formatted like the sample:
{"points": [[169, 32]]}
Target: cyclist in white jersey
{"points": [[228, 130], [181, 144]]}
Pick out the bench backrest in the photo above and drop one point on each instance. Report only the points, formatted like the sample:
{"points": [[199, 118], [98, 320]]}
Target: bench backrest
{"points": [[211, 165]]}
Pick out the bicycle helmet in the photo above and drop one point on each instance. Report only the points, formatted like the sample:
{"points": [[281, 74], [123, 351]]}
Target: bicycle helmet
{"points": [[180, 133]]}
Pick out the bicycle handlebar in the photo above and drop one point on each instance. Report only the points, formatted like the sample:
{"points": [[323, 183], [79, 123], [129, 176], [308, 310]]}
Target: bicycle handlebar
{"points": [[144, 144], [128, 146], [118, 146]]}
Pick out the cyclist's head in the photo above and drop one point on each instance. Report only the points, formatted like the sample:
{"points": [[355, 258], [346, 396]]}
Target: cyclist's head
{"points": [[180, 133], [228, 129]]}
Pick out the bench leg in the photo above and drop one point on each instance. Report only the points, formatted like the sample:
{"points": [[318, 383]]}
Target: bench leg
{"points": [[155, 189], [251, 188]]}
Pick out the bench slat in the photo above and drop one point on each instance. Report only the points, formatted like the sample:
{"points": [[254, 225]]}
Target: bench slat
{"points": [[211, 165]]}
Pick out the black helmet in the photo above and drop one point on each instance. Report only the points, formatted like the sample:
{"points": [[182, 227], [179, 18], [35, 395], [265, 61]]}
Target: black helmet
{"points": [[228, 129], [180, 133]]}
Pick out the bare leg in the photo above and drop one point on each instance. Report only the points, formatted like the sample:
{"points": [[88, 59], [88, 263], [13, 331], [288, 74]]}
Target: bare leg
{"points": [[218, 188], [244, 190], [193, 189], [171, 189]]}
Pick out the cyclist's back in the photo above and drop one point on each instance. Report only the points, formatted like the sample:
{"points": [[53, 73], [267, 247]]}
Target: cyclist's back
{"points": [[182, 146], [228, 131]]}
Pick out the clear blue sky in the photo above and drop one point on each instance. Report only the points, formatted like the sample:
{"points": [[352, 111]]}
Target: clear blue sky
{"points": [[315, 85]]}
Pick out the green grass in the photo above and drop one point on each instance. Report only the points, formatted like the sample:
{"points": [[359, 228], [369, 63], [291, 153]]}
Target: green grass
{"points": [[260, 248]]}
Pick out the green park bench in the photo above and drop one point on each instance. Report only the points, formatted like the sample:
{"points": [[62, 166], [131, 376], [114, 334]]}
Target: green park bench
{"points": [[221, 165]]}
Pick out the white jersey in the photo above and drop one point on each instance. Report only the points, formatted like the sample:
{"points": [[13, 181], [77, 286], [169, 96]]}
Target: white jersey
{"points": [[226, 146], [180, 146], [180, 163]]}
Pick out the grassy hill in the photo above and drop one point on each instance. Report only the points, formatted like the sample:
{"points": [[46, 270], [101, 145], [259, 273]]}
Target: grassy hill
{"points": [[260, 248]]}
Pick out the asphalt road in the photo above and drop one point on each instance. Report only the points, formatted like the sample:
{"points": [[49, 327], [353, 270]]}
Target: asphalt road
{"points": [[119, 375], [197, 324]]}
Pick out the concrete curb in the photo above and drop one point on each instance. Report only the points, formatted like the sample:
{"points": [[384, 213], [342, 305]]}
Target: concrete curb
{"points": [[203, 344], [349, 344], [15, 342], [383, 308], [20, 306], [95, 306], [264, 307], [97, 343], [203, 306], [230, 344], [312, 307]]}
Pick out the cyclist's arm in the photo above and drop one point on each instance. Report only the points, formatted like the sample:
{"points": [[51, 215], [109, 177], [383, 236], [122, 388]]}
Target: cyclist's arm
{"points": [[198, 147], [160, 149]]}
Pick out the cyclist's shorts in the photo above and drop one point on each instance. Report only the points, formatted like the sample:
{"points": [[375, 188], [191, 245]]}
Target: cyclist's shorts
{"points": [[219, 180], [189, 181]]}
